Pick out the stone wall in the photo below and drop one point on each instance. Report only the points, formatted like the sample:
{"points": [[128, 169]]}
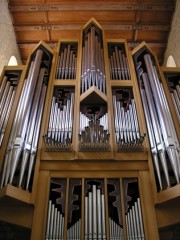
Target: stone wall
{"points": [[8, 45], [173, 47]]}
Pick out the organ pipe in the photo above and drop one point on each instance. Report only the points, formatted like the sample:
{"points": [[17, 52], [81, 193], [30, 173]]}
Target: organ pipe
{"points": [[127, 130], [162, 135], [67, 61], [93, 69], [7, 93], [60, 127], [118, 62], [23, 142]]}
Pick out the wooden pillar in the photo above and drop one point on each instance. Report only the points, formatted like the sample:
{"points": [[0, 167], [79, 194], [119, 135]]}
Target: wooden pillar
{"points": [[41, 206], [147, 205]]}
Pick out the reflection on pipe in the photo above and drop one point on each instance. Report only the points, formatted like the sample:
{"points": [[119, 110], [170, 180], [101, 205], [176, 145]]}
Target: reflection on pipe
{"points": [[95, 215], [93, 69], [59, 136], [7, 93], [134, 224], [22, 146], [67, 61], [55, 223], [127, 130], [162, 135], [116, 231], [118, 62]]}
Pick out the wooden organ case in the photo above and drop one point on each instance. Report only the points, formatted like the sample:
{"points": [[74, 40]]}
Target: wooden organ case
{"points": [[79, 139]]}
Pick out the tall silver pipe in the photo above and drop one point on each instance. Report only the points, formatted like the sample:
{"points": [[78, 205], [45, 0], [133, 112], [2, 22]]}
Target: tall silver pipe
{"points": [[140, 219], [99, 209], [156, 127], [86, 217], [90, 216], [55, 223], [166, 128], [103, 217], [48, 220], [51, 222], [25, 111], [2, 130], [36, 134], [8, 155], [4, 96], [31, 126], [151, 135], [2, 87], [94, 205], [175, 106], [5, 107]]}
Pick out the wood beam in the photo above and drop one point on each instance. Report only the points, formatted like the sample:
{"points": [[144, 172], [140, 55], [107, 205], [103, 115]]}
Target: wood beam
{"points": [[55, 44], [91, 6], [73, 26]]}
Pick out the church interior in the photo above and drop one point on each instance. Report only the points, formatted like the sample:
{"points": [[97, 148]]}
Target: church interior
{"points": [[89, 120]]}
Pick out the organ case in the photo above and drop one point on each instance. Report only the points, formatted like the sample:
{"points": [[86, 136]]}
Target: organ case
{"points": [[93, 148]]}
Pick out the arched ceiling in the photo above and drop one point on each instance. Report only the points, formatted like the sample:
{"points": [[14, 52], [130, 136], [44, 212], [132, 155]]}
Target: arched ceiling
{"points": [[51, 20]]}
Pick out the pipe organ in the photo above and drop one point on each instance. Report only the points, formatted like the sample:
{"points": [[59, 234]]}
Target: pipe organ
{"points": [[84, 129], [93, 68], [67, 61], [119, 192], [118, 63], [23, 141], [127, 130], [7, 93], [59, 135], [162, 135]]}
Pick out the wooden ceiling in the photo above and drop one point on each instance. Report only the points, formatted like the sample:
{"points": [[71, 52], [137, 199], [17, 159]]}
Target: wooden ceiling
{"points": [[52, 20]]}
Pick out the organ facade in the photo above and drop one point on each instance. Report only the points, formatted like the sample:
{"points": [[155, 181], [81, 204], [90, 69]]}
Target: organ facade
{"points": [[90, 139]]}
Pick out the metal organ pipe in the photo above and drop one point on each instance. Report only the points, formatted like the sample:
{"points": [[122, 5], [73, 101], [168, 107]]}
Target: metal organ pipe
{"points": [[55, 223], [59, 135], [116, 232], [66, 64], [118, 64], [95, 215], [7, 94], [93, 70], [22, 145], [134, 224], [127, 130], [162, 135]]}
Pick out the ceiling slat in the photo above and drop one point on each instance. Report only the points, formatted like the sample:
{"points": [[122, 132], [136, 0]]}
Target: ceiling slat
{"points": [[92, 7]]}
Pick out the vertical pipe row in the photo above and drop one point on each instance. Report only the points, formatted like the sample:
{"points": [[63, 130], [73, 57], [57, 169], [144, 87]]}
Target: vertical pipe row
{"points": [[95, 215], [7, 94], [93, 70], [116, 232], [118, 64], [60, 123], [175, 95], [134, 223], [66, 63], [74, 232], [22, 145], [55, 223], [162, 135], [126, 126]]}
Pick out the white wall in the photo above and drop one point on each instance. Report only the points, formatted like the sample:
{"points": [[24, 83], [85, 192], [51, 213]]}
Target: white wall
{"points": [[173, 47], [8, 45]]}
